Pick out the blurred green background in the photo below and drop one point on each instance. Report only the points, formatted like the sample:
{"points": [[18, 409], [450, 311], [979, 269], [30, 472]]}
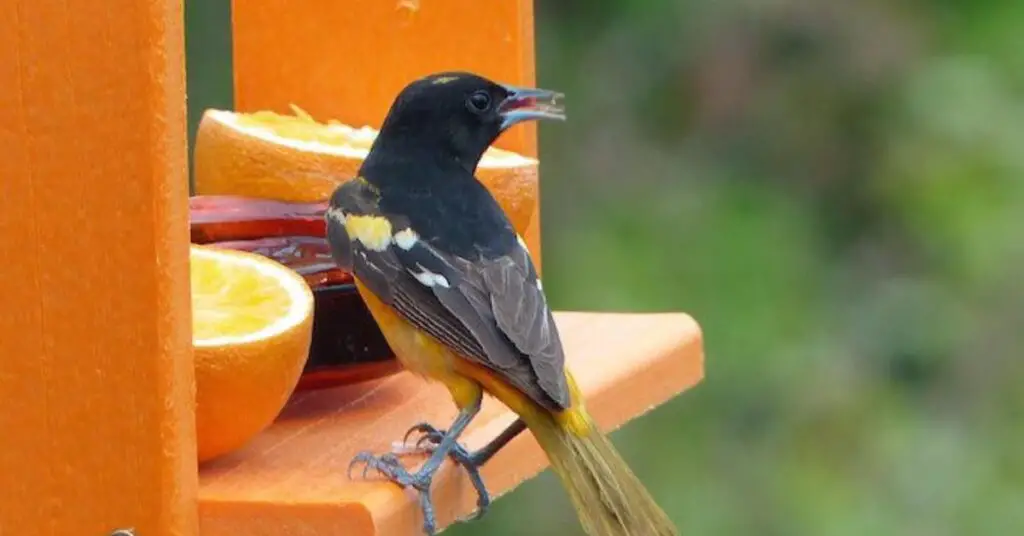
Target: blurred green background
{"points": [[835, 190]]}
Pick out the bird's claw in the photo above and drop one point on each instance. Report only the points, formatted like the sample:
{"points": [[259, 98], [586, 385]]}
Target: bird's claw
{"points": [[391, 467], [430, 434], [429, 441]]}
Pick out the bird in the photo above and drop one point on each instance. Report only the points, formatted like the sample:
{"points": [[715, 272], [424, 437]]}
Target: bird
{"points": [[454, 290]]}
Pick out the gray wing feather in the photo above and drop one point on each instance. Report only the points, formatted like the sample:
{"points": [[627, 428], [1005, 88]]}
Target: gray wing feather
{"points": [[499, 302], [503, 292]]}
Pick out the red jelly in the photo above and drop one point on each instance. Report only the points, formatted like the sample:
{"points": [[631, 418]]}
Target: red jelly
{"points": [[347, 345]]}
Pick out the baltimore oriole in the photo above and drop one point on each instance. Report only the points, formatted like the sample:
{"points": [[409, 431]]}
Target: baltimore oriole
{"points": [[455, 293]]}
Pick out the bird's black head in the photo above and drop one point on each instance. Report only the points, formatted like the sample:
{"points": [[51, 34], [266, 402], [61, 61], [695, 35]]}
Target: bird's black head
{"points": [[458, 115]]}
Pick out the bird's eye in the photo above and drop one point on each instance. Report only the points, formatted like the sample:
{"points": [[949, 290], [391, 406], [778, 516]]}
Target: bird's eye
{"points": [[479, 101]]}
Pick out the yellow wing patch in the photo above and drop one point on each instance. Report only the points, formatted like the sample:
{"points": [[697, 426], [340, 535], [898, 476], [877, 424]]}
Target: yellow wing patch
{"points": [[373, 231]]}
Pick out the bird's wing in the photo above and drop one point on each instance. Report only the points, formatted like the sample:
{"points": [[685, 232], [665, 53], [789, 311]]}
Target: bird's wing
{"points": [[489, 310]]}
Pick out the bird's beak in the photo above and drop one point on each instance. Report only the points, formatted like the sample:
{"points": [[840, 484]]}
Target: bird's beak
{"points": [[529, 104]]}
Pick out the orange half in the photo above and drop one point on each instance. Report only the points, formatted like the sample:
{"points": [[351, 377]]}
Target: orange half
{"points": [[252, 323], [296, 158]]}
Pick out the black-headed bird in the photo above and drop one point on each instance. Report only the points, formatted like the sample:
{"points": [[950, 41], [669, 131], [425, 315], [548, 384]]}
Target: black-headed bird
{"points": [[455, 293]]}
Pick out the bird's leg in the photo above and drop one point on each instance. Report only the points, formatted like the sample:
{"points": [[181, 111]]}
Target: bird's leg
{"points": [[432, 437], [390, 466], [470, 461]]}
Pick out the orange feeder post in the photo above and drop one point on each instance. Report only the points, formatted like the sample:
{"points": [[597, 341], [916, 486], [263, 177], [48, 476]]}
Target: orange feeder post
{"points": [[97, 378]]}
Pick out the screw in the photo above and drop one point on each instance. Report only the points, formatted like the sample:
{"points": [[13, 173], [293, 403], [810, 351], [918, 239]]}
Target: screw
{"points": [[123, 532]]}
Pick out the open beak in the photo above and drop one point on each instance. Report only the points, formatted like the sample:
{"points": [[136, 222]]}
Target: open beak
{"points": [[529, 104]]}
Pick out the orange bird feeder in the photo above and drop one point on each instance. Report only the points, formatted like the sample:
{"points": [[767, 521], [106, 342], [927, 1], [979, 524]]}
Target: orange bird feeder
{"points": [[97, 380]]}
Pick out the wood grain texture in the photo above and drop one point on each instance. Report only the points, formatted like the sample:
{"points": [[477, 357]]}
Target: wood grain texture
{"points": [[292, 478], [96, 382], [347, 60]]}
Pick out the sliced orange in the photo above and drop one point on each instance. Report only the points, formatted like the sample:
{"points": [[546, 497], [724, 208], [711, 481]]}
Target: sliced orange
{"points": [[295, 158], [252, 322]]}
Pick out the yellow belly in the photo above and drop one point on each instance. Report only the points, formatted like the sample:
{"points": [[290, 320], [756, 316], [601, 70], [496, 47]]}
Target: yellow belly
{"points": [[418, 352], [423, 355]]}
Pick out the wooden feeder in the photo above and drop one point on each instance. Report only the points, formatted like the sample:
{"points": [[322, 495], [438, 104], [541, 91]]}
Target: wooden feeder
{"points": [[97, 378]]}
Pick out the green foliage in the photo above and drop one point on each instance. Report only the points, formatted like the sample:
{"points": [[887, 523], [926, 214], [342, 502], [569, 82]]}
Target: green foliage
{"points": [[834, 190]]}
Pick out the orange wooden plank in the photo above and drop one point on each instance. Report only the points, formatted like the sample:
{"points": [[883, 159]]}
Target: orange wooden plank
{"points": [[96, 382], [348, 60], [292, 478]]}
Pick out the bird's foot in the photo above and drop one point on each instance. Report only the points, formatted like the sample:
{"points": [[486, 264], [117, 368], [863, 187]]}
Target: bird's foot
{"points": [[430, 439], [391, 467]]}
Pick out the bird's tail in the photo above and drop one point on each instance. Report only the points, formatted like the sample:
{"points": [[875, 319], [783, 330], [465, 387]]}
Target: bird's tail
{"points": [[608, 497]]}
